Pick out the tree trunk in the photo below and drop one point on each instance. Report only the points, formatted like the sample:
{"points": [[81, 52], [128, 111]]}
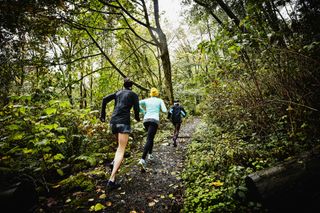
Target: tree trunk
{"points": [[82, 91], [164, 51], [166, 64], [289, 186], [231, 15]]}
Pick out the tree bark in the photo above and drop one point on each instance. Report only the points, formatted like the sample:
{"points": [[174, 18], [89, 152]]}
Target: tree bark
{"points": [[164, 51]]}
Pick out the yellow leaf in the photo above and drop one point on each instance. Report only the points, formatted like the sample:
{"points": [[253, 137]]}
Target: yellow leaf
{"points": [[103, 196], [217, 183], [133, 211], [91, 208]]}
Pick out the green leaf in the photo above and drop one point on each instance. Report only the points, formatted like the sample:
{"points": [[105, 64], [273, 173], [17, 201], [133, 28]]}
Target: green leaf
{"points": [[22, 110], [12, 127], [58, 156], [18, 136], [61, 140], [50, 111], [62, 129], [27, 151], [60, 172], [25, 98], [50, 126], [99, 207], [42, 143], [64, 104]]}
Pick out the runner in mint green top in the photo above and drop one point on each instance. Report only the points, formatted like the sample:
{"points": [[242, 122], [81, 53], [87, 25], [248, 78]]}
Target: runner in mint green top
{"points": [[153, 106], [151, 109]]}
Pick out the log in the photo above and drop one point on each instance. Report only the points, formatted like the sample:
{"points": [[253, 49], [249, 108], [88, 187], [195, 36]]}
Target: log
{"points": [[293, 185], [19, 197]]}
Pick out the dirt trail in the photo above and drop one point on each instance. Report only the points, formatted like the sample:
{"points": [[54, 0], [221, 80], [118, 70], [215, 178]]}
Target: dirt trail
{"points": [[160, 189]]}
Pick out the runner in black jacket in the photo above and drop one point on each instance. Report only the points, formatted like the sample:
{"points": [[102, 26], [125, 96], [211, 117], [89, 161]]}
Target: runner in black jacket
{"points": [[175, 114], [124, 99]]}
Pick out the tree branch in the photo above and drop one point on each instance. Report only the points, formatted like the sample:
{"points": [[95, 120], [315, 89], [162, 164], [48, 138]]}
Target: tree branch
{"points": [[111, 62], [134, 32]]}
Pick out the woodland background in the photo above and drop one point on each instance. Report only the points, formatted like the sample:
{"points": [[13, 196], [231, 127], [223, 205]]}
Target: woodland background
{"points": [[248, 68]]}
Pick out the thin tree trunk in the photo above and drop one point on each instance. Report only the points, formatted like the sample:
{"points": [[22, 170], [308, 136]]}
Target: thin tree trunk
{"points": [[81, 92], [164, 51]]}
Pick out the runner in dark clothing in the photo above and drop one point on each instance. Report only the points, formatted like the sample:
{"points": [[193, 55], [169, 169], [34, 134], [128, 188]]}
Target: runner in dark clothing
{"points": [[124, 99], [175, 114]]}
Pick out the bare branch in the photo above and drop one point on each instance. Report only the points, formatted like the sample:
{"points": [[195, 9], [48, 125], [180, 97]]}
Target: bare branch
{"points": [[111, 62], [134, 32]]}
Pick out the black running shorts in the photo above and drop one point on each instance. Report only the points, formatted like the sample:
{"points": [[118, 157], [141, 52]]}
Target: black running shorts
{"points": [[120, 128]]}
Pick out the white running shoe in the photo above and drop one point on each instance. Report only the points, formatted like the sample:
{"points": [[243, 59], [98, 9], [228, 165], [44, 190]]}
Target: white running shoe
{"points": [[150, 157], [143, 164]]}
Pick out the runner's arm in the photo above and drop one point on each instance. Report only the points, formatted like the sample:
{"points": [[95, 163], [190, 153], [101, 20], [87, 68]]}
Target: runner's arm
{"points": [[141, 104], [169, 113], [163, 107], [105, 101], [183, 112], [136, 108]]}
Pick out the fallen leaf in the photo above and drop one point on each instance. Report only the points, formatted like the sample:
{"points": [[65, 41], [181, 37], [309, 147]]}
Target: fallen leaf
{"points": [[151, 204], [99, 207], [102, 196], [108, 203], [217, 183], [68, 200]]}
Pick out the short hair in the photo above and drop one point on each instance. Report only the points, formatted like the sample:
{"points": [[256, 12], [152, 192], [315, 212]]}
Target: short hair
{"points": [[127, 83]]}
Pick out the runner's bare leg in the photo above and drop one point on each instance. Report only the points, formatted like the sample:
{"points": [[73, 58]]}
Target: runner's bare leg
{"points": [[122, 143]]}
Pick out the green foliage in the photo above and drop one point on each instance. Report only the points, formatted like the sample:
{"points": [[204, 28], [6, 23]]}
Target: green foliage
{"points": [[257, 112], [81, 181], [51, 139], [215, 171]]}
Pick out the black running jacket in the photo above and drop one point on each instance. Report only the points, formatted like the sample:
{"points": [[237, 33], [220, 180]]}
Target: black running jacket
{"points": [[124, 100]]}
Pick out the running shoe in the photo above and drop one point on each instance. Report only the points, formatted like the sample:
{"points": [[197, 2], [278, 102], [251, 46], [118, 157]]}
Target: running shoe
{"points": [[150, 157], [143, 164], [113, 185]]}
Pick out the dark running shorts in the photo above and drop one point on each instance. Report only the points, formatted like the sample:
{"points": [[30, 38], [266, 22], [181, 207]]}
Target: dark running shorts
{"points": [[120, 128]]}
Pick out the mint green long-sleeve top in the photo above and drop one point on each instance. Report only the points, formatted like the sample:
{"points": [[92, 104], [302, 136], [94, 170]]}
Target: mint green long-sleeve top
{"points": [[151, 108]]}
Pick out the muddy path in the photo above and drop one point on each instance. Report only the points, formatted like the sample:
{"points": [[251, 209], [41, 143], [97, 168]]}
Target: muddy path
{"points": [[160, 188]]}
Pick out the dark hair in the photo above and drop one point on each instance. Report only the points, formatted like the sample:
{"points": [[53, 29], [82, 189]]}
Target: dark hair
{"points": [[127, 83], [176, 101]]}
